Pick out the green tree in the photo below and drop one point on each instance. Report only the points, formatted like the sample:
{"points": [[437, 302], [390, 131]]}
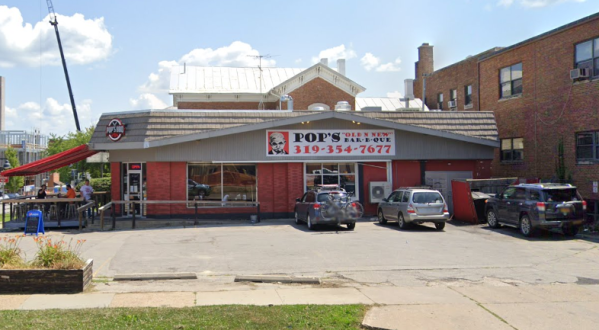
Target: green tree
{"points": [[14, 182], [59, 144]]}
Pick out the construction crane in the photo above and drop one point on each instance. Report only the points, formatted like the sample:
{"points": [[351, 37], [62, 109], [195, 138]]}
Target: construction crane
{"points": [[54, 23]]}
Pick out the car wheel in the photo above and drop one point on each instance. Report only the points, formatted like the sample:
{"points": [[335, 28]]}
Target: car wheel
{"points": [[401, 222], [571, 231], [309, 222], [351, 226], [440, 225], [381, 217], [526, 226], [297, 220], [492, 219]]}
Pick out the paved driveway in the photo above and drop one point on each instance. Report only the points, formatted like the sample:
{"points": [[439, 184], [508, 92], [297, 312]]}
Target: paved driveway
{"points": [[372, 253]]}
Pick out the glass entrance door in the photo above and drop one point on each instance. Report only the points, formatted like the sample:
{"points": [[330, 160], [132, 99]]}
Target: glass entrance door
{"points": [[133, 188]]}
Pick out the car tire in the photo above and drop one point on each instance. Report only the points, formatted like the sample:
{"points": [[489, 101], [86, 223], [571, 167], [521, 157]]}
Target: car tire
{"points": [[309, 222], [571, 231], [351, 226], [492, 219], [440, 225], [526, 226], [381, 217], [401, 222], [297, 220]]}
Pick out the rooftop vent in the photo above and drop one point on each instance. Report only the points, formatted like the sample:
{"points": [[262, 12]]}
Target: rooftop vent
{"points": [[372, 109], [342, 106]]}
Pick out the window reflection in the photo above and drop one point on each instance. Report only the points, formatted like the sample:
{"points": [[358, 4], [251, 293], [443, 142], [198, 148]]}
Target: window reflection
{"points": [[212, 182]]}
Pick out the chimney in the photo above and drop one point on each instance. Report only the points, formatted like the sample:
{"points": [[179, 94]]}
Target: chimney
{"points": [[341, 66], [1, 103], [408, 91], [324, 61], [425, 60]]}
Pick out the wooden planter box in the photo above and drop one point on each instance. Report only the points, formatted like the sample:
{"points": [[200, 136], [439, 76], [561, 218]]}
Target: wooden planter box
{"points": [[46, 280]]}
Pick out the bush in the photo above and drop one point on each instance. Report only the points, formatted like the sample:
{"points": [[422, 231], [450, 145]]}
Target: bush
{"points": [[10, 253], [58, 255], [50, 255], [100, 184]]}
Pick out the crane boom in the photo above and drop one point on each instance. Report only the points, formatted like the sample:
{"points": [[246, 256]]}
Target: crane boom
{"points": [[54, 23]]}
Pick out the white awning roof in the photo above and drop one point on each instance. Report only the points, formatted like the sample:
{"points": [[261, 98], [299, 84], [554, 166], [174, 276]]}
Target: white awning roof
{"points": [[387, 103]]}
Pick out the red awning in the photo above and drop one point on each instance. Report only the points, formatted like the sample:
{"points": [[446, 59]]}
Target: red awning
{"points": [[53, 162]]}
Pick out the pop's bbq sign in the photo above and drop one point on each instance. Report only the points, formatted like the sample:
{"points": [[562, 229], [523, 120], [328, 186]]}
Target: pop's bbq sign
{"points": [[310, 143], [115, 129]]}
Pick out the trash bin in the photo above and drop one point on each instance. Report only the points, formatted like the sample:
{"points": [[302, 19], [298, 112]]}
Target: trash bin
{"points": [[470, 195], [254, 218]]}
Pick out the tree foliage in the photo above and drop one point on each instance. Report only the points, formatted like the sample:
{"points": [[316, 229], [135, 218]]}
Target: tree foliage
{"points": [[14, 182], [59, 144]]}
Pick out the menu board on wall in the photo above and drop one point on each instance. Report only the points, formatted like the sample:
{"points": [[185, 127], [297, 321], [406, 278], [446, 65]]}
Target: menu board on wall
{"points": [[310, 143]]}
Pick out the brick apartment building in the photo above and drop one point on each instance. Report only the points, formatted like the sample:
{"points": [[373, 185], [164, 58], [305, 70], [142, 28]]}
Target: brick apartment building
{"points": [[540, 101]]}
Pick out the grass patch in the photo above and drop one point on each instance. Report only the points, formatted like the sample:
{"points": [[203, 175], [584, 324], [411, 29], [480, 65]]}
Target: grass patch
{"points": [[205, 317]]}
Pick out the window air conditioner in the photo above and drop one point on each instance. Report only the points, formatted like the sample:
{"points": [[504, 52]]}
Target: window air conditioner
{"points": [[452, 104], [579, 73], [378, 191]]}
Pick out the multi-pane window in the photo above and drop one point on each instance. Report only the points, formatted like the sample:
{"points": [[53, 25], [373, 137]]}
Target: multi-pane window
{"points": [[587, 56], [340, 174], [440, 101], [512, 150], [228, 182], [587, 146], [468, 95], [510, 80]]}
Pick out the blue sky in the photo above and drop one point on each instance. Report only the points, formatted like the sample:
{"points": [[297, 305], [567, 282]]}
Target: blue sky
{"points": [[119, 52]]}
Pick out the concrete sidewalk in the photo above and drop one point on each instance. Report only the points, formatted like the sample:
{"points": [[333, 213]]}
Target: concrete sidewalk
{"points": [[439, 307]]}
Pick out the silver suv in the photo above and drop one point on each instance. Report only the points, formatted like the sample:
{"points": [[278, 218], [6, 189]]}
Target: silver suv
{"points": [[414, 205]]}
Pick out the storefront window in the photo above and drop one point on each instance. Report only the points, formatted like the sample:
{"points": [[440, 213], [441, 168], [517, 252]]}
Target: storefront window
{"points": [[340, 174], [217, 182]]}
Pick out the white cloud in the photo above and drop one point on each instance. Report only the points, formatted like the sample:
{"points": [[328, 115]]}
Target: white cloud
{"points": [[21, 44], [53, 117], [147, 101], [390, 67], [335, 53], [394, 94], [298, 61], [154, 92], [369, 61], [534, 3]]}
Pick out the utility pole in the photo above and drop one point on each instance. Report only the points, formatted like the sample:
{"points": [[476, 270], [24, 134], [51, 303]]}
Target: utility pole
{"points": [[54, 23]]}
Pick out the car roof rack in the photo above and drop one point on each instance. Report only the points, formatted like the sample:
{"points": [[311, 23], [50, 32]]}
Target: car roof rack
{"points": [[416, 187], [329, 187], [545, 185]]}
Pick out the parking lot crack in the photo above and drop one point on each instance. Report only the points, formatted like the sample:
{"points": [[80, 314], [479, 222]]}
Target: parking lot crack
{"points": [[484, 308]]}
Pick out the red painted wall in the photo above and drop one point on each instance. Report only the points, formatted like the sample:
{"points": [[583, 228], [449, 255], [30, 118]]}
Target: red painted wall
{"points": [[279, 184], [115, 188], [371, 172], [406, 173]]}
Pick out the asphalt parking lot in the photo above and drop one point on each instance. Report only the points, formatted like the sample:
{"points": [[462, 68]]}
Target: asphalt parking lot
{"points": [[372, 253]]}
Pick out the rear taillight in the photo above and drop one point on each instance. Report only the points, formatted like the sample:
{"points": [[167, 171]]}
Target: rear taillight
{"points": [[411, 209], [353, 205], [445, 210], [584, 205], [316, 206], [541, 207]]}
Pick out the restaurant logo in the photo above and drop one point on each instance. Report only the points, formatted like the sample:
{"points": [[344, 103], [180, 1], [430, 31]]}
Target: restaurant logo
{"points": [[115, 129]]}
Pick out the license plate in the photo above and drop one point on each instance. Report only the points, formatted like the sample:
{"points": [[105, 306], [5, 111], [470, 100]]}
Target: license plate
{"points": [[564, 210]]}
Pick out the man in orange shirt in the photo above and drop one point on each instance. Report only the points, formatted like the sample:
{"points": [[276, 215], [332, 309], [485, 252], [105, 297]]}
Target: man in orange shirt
{"points": [[71, 192]]}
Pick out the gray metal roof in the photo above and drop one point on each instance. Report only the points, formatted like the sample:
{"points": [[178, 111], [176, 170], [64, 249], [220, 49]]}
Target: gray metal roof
{"points": [[164, 127], [193, 79], [387, 103]]}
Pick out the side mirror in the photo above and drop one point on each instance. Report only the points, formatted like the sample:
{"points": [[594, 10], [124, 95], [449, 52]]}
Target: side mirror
{"points": [[297, 200]]}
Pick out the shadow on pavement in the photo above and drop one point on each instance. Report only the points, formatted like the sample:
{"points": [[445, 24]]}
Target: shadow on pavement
{"points": [[414, 228]]}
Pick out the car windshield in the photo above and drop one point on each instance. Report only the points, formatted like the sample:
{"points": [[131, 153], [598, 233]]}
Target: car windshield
{"points": [[335, 194], [561, 195], [427, 197]]}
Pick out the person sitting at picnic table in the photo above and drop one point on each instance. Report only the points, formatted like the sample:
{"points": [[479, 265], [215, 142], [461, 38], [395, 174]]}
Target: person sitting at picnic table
{"points": [[41, 194], [63, 207]]}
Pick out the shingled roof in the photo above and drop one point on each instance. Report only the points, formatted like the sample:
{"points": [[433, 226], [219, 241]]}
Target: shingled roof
{"points": [[162, 127]]}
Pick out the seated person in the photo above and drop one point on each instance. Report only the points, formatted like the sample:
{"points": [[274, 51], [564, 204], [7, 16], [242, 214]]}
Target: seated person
{"points": [[41, 194], [70, 194]]}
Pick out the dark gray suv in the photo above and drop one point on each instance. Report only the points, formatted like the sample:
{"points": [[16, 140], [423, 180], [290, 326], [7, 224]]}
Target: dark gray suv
{"points": [[535, 206]]}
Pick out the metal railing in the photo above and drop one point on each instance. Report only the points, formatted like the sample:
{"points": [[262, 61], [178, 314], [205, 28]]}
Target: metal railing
{"points": [[197, 204]]}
